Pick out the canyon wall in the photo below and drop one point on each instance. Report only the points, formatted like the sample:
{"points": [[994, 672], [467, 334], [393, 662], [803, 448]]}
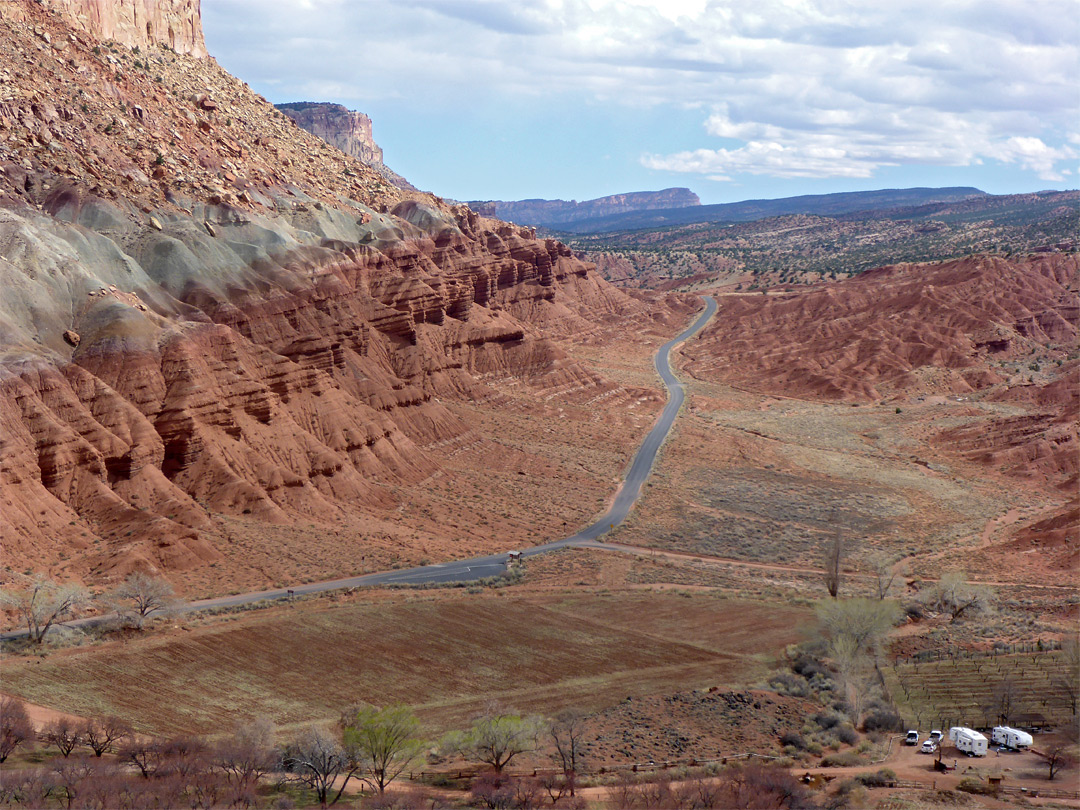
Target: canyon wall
{"points": [[142, 23]]}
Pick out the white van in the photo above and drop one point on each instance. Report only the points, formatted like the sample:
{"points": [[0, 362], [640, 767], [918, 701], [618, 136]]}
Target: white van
{"points": [[1011, 737], [968, 741]]}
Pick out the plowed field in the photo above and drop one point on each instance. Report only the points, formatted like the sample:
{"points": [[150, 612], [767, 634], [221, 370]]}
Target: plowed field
{"points": [[445, 653]]}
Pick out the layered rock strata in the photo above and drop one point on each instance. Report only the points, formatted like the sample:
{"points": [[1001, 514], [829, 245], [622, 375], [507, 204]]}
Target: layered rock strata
{"points": [[210, 316]]}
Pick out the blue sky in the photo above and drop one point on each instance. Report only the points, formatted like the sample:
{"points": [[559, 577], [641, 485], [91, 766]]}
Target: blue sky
{"points": [[575, 99]]}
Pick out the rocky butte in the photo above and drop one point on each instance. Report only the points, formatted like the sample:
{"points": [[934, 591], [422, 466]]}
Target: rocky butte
{"points": [[349, 131], [227, 347]]}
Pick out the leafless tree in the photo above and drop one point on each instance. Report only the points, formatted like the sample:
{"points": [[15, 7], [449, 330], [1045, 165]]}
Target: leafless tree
{"points": [[15, 726], [315, 759], [1068, 685], [141, 596], [954, 595], [63, 732], [246, 756], [1058, 759], [833, 555], [567, 732], [1003, 698], [146, 755], [43, 603], [101, 734], [885, 570]]}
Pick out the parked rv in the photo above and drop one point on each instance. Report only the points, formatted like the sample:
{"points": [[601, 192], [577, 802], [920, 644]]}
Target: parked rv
{"points": [[969, 741], [1011, 737]]}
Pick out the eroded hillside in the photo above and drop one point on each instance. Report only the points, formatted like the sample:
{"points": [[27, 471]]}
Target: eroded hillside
{"points": [[232, 353]]}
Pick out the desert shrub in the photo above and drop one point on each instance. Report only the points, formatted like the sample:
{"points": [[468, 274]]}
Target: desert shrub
{"points": [[794, 739], [808, 666], [880, 778], [814, 747], [847, 735], [844, 759], [883, 720], [827, 720], [785, 683], [972, 784]]}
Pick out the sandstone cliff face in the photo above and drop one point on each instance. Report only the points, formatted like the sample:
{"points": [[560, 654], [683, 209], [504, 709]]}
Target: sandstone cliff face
{"points": [[554, 212], [176, 24], [349, 131]]}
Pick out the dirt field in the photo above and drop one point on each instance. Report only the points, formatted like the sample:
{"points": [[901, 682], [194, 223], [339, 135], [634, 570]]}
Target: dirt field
{"points": [[763, 479], [444, 652]]}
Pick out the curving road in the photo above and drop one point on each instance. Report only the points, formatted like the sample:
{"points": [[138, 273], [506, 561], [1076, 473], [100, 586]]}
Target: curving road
{"points": [[492, 565]]}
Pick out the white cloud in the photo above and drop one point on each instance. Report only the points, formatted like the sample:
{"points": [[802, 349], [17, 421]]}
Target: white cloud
{"points": [[807, 88]]}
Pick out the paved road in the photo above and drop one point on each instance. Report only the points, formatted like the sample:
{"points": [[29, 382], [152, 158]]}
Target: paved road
{"points": [[492, 565]]}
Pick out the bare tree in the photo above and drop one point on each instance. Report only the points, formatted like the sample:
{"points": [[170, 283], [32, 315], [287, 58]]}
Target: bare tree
{"points": [[102, 733], [885, 570], [15, 726], [141, 596], [385, 741], [246, 756], [954, 595], [63, 732], [43, 603], [496, 737], [1003, 698], [1058, 759], [315, 759], [567, 732], [1068, 685], [833, 555]]}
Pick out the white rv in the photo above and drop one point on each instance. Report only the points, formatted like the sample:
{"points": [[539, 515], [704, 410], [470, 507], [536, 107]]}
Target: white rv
{"points": [[1011, 737], [968, 741]]}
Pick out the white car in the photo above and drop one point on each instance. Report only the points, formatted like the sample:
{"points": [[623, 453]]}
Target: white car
{"points": [[928, 747]]}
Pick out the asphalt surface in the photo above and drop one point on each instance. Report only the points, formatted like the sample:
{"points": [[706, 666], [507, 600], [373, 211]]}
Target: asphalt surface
{"points": [[495, 564]]}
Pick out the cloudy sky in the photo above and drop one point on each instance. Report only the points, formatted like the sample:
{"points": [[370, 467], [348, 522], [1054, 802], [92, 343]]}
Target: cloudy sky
{"points": [[740, 99]]}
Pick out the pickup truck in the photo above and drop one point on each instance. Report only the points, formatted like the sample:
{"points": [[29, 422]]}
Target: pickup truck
{"points": [[912, 738]]}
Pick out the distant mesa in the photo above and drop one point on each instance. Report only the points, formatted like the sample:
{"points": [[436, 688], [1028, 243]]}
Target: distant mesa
{"points": [[555, 213], [346, 129], [822, 205]]}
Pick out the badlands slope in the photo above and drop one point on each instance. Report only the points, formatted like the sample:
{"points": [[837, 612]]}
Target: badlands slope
{"points": [[231, 353]]}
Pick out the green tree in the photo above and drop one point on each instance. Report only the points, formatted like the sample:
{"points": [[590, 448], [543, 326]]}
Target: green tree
{"points": [[495, 738], [384, 741]]}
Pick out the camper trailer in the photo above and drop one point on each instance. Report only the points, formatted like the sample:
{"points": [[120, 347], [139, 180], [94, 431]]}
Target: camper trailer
{"points": [[1011, 737], [968, 741]]}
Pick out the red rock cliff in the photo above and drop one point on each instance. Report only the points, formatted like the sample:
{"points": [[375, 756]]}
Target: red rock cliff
{"points": [[175, 23]]}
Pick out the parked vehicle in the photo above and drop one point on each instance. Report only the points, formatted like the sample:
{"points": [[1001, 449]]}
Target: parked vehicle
{"points": [[969, 741], [936, 736], [928, 747], [1011, 737], [912, 738]]}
